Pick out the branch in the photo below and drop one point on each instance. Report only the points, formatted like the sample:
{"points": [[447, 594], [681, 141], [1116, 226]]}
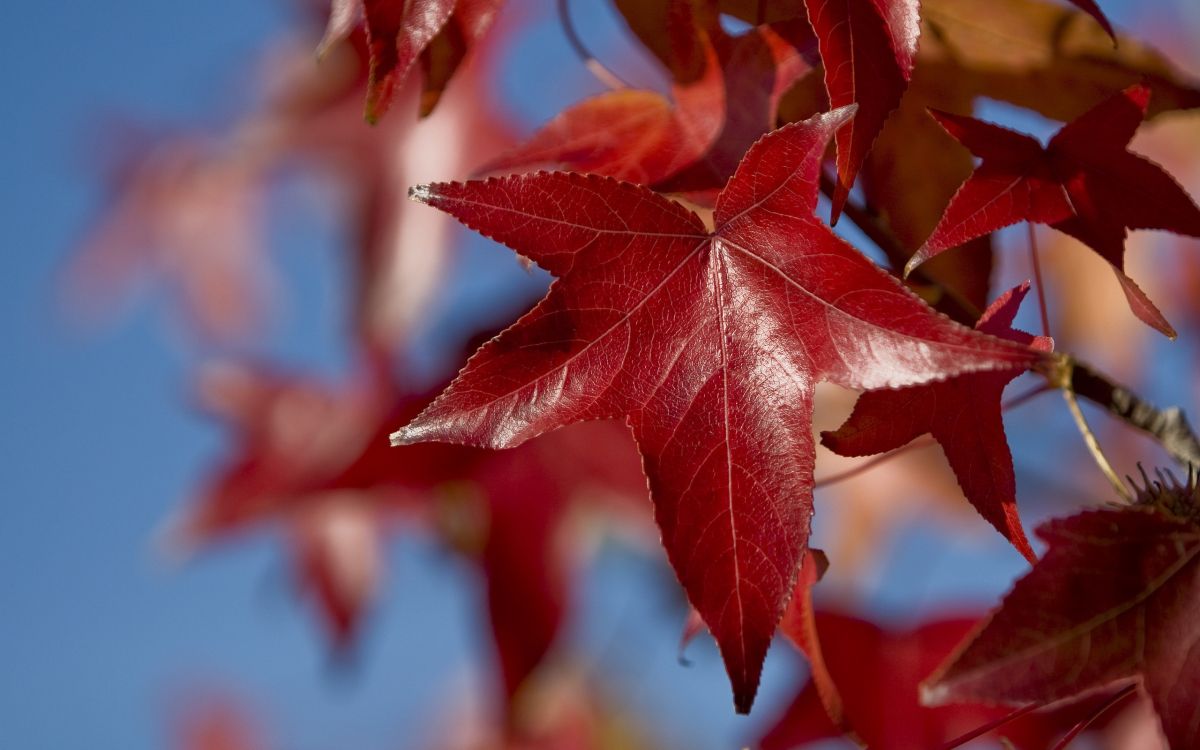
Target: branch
{"points": [[1167, 426]]}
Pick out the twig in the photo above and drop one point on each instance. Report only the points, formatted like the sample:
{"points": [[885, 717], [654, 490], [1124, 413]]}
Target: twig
{"points": [[866, 465], [1061, 376], [594, 66], [1028, 395], [1037, 275], [1169, 427]]}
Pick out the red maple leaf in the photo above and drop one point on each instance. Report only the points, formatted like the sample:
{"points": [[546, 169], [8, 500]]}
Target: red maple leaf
{"points": [[867, 48], [190, 209], [694, 146], [630, 134], [963, 415], [401, 33], [710, 344], [877, 672], [1084, 182], [316, 461], [1115, 600]]}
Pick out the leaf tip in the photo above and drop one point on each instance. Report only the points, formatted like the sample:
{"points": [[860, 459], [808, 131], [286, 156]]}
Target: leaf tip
{"points": [[421, 193], [836, 118], [399, 437], [743, 700], [917, 259], [933, 694]]}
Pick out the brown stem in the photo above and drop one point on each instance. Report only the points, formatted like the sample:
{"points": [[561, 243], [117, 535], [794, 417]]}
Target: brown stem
{"points": [[1059, 371], [867, 465], [1093, 446], [1167, 426]]}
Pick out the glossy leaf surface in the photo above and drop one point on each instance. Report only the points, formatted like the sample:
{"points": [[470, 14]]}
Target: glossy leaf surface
{"points": [[710, 344]]}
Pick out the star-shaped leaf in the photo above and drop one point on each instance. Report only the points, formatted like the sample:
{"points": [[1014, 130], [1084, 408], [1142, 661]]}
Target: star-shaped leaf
{"points": [[710, 344], [1116, 598], [963, 415], [1084, 182]]}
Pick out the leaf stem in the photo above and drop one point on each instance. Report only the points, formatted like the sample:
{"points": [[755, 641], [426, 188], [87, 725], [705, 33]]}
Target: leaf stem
{"points": [[1079, 728], [1037, 275], [867, 465], [1062, 377], [1169, 427], [1028, 395], [594, 66], [994, 724]]}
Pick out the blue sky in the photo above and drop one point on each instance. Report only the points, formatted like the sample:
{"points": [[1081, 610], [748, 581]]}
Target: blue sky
{"points": [[98, 639]]}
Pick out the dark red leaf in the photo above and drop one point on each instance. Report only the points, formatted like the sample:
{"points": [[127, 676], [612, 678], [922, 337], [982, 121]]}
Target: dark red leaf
{"points": [[1116, 598], [963, 415], [867, 48], [877, 672], [400, 33], [799, 624], [1084, 183], [710, 344]]}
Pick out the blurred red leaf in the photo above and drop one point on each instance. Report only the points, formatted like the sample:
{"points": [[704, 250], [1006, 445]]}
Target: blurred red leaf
{"points": [[216, 724], [318, 461], [401, 33], [1113, 600], [1084, 182], [691, 147], [192, 210], [710, 344], [877, 672], [630, 134], [963, 415]]}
